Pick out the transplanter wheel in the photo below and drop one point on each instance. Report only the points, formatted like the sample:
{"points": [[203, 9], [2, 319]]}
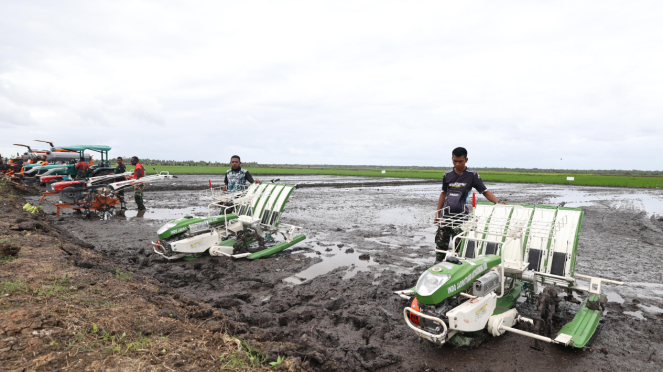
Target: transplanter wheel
{"points": [[239, 246], [546, 308]]}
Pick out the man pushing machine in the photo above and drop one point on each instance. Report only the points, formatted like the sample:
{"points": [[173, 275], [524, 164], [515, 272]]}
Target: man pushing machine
{"points": [[457, 183], [236, 177]]}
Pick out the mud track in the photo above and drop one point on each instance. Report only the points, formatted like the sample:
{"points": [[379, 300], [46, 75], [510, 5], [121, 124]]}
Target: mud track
{"points": [[328, 300]]}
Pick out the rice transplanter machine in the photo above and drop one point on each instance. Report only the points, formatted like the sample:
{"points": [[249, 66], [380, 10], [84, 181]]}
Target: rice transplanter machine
{"points": [[246, 228], [505, 252]]}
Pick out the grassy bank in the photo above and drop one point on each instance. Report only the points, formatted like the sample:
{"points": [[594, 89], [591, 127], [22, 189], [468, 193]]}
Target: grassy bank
{"points": [[580, 179]]}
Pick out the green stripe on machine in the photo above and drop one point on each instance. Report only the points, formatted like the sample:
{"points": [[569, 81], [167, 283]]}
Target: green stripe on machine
{"points": [[277, 248]]}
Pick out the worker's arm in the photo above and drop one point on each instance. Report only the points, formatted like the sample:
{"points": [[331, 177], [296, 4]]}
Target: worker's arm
{"points": [[481, 188], [249, 178], [492, 198], [225, 183]]}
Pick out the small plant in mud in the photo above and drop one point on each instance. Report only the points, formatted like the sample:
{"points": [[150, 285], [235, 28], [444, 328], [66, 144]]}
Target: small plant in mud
{"points": [[99, 339], [245, 357], [13, 287], [31, 208], [122, 276], [278, 361], [60, 288], [7, 258]]}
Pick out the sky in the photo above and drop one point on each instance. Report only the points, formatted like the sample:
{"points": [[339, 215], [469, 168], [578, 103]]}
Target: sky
{"points": [[530, 84]]}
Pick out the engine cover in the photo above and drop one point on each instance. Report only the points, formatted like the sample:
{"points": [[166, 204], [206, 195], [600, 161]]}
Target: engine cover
{"points": [[486, 284], [195, 244], [473, 314]]}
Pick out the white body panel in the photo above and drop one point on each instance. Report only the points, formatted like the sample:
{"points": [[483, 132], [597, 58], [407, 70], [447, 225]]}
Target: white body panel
{"points": [[472, 315], [195, 244], [221, 251]]}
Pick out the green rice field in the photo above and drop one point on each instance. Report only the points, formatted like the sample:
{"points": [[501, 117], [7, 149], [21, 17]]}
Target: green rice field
{"points": [[547, 178]]}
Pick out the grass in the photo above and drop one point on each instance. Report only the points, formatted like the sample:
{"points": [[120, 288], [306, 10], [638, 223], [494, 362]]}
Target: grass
{"points": [[246, 357], [122, 276], [7, 258], [13, 287], [488, 176], [60, 288], [99, 339]]}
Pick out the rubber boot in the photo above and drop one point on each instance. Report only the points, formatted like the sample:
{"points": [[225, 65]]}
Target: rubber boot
{"points": [[139, 203]]}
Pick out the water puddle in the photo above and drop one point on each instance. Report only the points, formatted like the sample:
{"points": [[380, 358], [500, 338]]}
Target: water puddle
{"points": [[650, 201], [333, 255], [652, 204], [165, 213], [614, 297], [651, 309], [330, 262], [635, 314]]}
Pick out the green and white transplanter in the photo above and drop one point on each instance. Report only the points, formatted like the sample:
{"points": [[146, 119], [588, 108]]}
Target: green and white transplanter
{"points": [[246, 228], [505, 252]]}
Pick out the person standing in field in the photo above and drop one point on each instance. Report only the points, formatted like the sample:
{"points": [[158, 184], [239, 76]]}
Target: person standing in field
{"points": [[457, 183], [81, 168], [139, 172], [236, 177], [119, 169]]}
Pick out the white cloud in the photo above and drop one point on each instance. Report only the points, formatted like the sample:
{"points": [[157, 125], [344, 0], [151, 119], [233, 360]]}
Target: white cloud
{"points": [[518, 83]]}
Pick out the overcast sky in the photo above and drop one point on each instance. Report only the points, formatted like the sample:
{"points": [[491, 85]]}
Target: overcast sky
{"points": [[576, 85]]}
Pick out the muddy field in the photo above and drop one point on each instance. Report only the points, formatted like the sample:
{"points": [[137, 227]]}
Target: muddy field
{"points": [[329, 299]]}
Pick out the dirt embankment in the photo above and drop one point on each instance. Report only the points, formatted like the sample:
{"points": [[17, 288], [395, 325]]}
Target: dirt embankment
{"points": [[65, 307]]}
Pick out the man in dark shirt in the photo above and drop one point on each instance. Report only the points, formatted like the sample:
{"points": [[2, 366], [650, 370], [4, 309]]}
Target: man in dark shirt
{"points": [[119, 169], [139, 172], [456, 186], [236, 177]]}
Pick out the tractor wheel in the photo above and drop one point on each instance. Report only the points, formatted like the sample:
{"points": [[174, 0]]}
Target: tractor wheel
{"points": [[70, 195]]}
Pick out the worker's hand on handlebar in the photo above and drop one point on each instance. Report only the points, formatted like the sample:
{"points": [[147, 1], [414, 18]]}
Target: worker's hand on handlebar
{"points": [[258, 181]]}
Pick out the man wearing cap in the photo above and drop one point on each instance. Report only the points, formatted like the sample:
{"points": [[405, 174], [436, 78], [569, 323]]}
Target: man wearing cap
{"points": [[456, 186]]}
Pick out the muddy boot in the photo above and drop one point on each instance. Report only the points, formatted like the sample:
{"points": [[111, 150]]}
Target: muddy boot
{"points": [[138, 196], [139, 203]]}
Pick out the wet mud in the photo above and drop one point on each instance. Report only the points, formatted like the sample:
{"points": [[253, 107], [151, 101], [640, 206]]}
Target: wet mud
{"points": [[329, 301]]}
